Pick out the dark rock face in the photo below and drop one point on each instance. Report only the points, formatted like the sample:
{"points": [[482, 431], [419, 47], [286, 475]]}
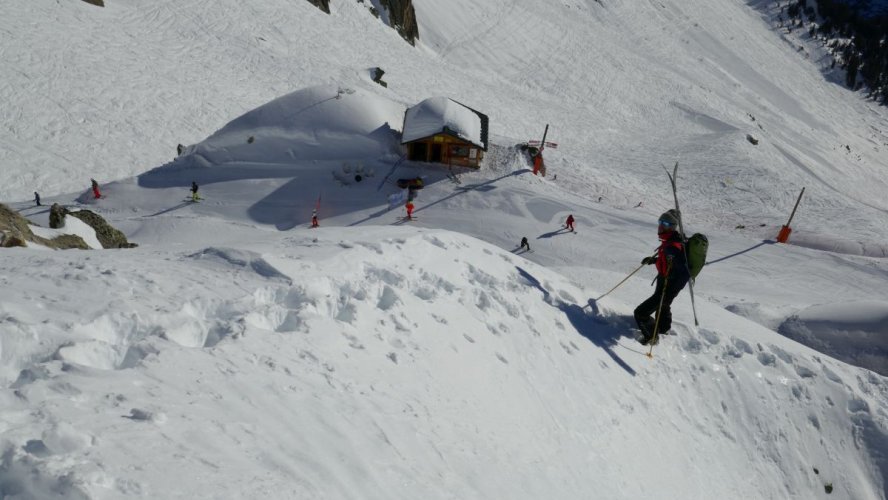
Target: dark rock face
{"points": [[100, 3], [401, 15], [57, 215], [67, 242], [14, 225], [15, 231], [377, 76], [11, 241], [403, 18], [324, 5], [108, 236]]}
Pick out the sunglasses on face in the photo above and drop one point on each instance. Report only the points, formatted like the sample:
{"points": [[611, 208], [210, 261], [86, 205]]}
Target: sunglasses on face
{"points": [[665, 223]]}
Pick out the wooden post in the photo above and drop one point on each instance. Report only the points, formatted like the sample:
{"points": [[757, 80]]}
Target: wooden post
{"points": [[538, 165], [783, 235]]}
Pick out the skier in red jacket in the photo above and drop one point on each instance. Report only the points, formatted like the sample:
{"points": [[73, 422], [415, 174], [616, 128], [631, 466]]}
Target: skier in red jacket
{"points": [[672, 276], [95, 188], [569, 223]]}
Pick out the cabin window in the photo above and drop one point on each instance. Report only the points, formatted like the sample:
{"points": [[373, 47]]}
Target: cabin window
{"points": [[459, 151]]}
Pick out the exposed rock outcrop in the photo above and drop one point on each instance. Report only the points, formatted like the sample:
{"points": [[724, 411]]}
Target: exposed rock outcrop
{"points": [[403, 18], [100, 3], [67, 242], [15, 231], [108, 236], [14, 225], [9, 241], [57, 215], [324, 5], [377, 76]]}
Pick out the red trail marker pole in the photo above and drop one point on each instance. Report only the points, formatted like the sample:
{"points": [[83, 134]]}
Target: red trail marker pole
{"points": [[785, 231]]}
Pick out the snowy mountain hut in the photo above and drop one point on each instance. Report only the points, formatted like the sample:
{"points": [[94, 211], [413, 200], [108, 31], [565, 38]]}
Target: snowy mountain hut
{"points": [[441, 130]]}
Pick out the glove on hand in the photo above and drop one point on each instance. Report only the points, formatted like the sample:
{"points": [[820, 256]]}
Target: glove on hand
{"points": [[648, 261]]}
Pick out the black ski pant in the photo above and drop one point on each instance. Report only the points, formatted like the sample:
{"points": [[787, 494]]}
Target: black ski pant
{"points": [[645, 313]]}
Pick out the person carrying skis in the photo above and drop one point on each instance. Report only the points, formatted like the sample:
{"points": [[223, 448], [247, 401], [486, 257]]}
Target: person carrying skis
{"points": [[194, 195], [525, 244], [95, 187], [569, 223], [672, 276]]}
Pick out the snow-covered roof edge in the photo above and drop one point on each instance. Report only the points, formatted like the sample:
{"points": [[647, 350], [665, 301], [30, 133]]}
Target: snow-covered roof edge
{"points": [[437, 115]]}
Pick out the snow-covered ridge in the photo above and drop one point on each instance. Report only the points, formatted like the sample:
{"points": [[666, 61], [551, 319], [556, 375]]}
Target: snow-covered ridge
{"points": [[452, 326]]}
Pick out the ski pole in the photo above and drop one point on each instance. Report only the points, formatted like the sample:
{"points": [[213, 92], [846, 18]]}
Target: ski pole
{"points": [[653, 340], [620, 283]]}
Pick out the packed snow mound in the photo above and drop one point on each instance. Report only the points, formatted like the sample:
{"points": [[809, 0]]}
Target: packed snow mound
{"points": [[324, 122], [854, 332]]}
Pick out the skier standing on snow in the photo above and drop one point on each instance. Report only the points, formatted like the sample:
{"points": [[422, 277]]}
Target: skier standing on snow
{"points": [[672, 276], [95, 187], [194, 196], [525, 244], [36, 198], [569, 223], [409, 207], [314, 218]]}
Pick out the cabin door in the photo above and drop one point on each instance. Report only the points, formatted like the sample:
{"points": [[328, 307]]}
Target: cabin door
{"points": [[418, 152], [436, 154]]}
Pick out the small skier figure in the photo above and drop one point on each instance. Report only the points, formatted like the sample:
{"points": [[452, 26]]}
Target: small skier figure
{"points": [[409, 207], [194, 195], [672, 276], [36, 198], [525, 244], [314, 219], [95, 188], [569, 223]]}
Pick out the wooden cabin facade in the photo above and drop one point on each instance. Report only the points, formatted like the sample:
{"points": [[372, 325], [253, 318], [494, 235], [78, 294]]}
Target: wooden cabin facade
{"points": [[445, 149], [441, 130]]}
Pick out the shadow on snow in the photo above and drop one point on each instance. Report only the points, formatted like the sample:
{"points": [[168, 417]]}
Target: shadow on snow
{"points": [[598, 330]]}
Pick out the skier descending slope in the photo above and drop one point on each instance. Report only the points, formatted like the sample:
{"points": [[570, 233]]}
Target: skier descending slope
{"points": [[672, 276], [194, 195]]}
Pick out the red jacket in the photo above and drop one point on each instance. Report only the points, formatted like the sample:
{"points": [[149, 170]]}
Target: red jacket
{"points": [[671, 248]]}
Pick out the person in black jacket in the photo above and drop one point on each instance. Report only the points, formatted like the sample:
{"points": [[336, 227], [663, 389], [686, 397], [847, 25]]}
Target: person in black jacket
{"points": [[672, 276], [525, 244]]}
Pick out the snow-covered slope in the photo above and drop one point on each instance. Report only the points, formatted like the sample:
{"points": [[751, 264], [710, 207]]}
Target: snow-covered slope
{"points": [[238, 353]]}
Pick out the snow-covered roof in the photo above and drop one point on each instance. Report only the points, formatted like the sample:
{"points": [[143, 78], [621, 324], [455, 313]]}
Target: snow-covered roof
{"points": [[437, 115]]}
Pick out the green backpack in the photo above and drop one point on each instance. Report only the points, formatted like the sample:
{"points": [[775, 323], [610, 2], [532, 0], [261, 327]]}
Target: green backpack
{"points": [[696, 248]]}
